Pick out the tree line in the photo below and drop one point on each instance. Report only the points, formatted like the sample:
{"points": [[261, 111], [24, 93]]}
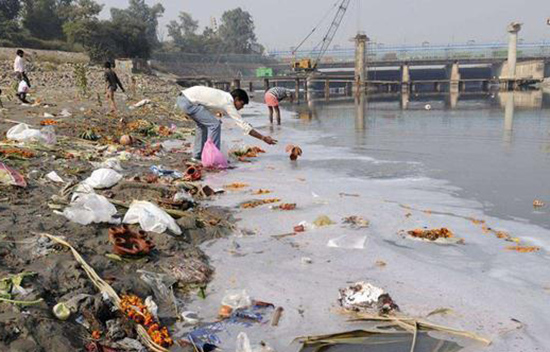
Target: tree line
{"points": [[131, 32]]}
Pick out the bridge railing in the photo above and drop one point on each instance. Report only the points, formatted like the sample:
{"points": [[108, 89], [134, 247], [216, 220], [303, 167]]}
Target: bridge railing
{"points": [[381, 53]]}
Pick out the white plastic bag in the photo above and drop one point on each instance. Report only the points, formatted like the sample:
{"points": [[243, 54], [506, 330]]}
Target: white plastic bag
{"points": [[103, 178], [90, 208], [23, 133], [236, 299], [348, 242], [111, 163], [243, 343], [151, 218], [54, 177]]}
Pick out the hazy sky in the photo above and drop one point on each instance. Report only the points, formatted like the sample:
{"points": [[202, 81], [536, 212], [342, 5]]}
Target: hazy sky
{"points": [[284, 23]]}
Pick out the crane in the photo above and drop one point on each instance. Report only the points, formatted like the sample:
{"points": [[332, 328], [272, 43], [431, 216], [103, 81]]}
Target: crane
{"points": [[310, 64]]}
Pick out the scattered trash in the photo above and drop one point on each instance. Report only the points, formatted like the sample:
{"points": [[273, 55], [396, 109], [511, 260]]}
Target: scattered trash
{"points": [[172, 144], [151, 218], [257, 203], [523, 249], [299, 228], [431, 235], [380, 263], [111, 163], [286, 206], [23, 133], [103, 178], [294, 151], [12, 286], [137, 311], [261, 191], [48, 122], [348, 242], [306, 260], [128, 242], [322, 221], [364, 297], [225, 312], [65, 113], [235, 186], [159, 170], [356, 221], [54, 177], [152, 306], [61, 311], [245, 152], [90, 208], [236, 299], [277, 316], [10, 177], [212, 157], [126, 140], [142, 103], [538, 203], [193, 173], [190, 317], [428, 107]]}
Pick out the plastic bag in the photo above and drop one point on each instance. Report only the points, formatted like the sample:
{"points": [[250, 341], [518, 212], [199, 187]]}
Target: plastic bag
{"points": [[151, 218], [212, 157], [103, 178], [348, 242], [90, 208], [23, 133], [236, 299], [9, 176]]}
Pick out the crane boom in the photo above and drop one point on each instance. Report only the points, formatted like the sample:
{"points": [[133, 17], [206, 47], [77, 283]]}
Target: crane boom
{"points": [[327, 40]]}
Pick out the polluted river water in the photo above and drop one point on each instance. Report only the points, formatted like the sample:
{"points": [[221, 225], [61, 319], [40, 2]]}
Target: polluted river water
{"points": [[474, 167]]}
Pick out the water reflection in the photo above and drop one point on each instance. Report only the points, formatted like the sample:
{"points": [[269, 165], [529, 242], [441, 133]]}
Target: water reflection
{"points": [[360, 108]]}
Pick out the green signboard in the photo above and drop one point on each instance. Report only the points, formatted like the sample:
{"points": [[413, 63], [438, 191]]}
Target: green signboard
{"points": [[264, 72]]}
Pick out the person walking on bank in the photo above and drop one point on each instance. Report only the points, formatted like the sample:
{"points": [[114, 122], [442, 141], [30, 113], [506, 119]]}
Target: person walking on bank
{"points": [[111, 85], [273, 97], [200, 102], [19, 67]]}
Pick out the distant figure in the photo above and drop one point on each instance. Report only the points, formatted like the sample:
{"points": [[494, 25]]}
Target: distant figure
{"points": [[111, 85], [272, 98], [22, 91], [197, 101], [19, 67]]}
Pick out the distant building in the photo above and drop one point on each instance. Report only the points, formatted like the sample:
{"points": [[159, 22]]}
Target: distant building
{"points": [[214, 23]]}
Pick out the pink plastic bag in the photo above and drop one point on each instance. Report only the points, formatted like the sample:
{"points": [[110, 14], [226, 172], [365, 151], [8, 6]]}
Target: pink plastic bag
{"points": [[212, 157]]}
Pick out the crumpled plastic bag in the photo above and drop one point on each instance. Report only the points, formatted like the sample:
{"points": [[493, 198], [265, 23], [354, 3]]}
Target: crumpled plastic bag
{"points": [[90, 208], [111, 163], [10, 177], [103, 178], [236, 299], [212, 157], [151, 218], [24, 133]]}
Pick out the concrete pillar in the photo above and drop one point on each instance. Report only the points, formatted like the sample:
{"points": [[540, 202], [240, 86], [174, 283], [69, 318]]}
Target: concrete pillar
{"points": [[251, 87], [266, 84], [513, 29], [454, 78], [360, 62], [297, 89], [327, 90], [309, 87], [405, 78]]}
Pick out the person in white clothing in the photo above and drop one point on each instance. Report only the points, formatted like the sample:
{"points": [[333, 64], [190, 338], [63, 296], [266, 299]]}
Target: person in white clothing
{"points": [[19, 67], [200, 102], [22, 91]]}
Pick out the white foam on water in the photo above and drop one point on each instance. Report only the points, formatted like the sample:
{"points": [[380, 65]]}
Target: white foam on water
{"points": [[484, 284]]}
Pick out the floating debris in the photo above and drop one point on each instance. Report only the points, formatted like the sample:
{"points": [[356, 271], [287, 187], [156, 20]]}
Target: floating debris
{"points": [[431, 235], [538, 203], [523, 249], [257, 203]]}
